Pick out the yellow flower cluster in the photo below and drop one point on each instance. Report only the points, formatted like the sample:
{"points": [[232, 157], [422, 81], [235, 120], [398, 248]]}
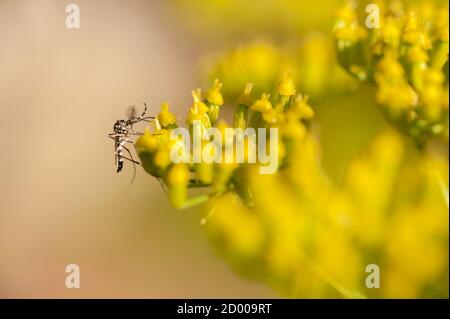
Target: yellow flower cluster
{"points": [[406, 57], [290, 114], [296, 230]]}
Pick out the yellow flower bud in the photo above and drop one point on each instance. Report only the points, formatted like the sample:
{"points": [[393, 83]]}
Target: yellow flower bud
{"points": [[162, 158], [178, 175], [391, 33], [198, 111], [147, 142], [213, 95], [287, 85], [271, 116], [390, 69], [165, 117], [417, 55], [263, 104], [198, 106]]}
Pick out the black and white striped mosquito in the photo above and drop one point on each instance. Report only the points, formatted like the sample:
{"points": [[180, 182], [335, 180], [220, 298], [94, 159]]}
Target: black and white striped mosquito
{"points": [[122, 134]]}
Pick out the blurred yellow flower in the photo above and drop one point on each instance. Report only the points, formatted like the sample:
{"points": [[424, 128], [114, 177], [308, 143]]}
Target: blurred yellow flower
{"points": [[406, 57]]}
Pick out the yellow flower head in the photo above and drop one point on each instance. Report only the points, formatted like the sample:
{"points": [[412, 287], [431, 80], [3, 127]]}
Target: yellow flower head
{"points": [[389, 68], [178, 175], [263, 104], [198, 111], [417, 55], [274, 115], [287, 85], [165, 117], [162, 158], [397, 57], [147, 142], [213, 95]]}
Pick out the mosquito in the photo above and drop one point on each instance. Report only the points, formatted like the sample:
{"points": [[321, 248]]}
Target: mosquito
{"points": [[122, 134]]}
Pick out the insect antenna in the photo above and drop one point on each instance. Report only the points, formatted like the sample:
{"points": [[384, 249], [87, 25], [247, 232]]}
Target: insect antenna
{"points": [[143, 113], [142, 117]]}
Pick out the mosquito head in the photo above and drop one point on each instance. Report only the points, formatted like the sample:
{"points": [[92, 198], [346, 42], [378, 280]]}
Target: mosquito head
{"points": [[121, 127]]}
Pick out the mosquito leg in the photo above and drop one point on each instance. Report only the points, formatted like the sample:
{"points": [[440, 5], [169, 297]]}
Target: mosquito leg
{"points": [[162, 185], [129, 152], [131, 160], [122, 144], [112, 136], [134, 163]]}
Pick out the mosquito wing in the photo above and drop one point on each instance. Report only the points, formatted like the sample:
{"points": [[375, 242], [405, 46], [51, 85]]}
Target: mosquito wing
{"points": [[131, 112]]}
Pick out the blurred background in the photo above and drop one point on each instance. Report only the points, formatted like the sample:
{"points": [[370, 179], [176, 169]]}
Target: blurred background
{"points": [[61, 201]]}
